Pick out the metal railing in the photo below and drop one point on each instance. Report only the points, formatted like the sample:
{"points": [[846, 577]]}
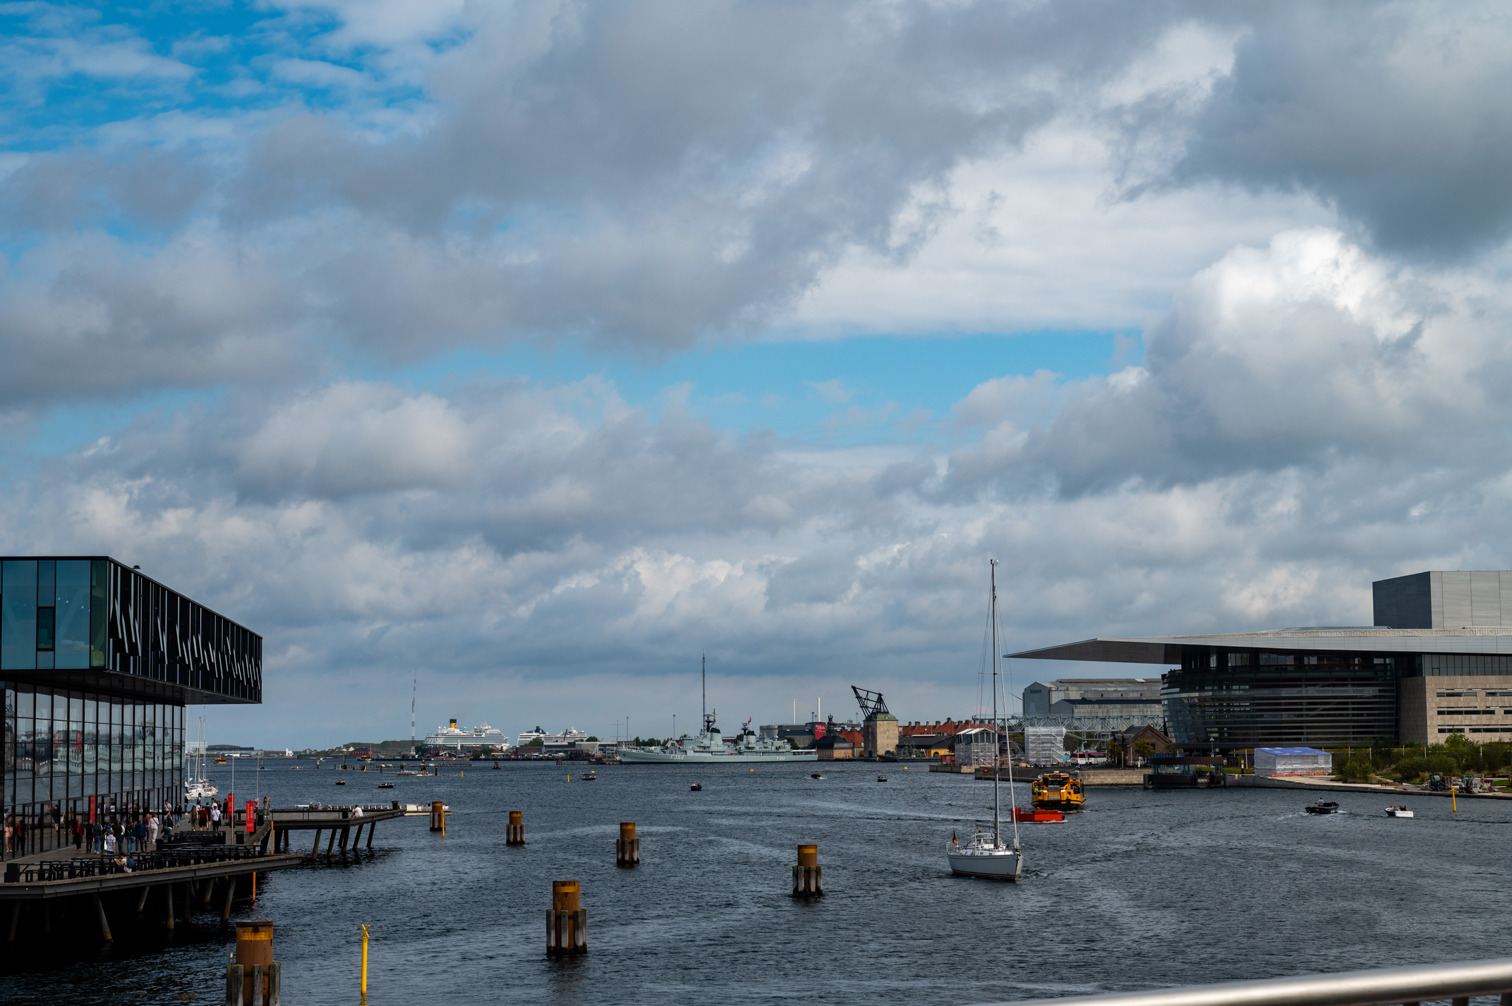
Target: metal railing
{"points": [[1456, 982], [101, 865]]}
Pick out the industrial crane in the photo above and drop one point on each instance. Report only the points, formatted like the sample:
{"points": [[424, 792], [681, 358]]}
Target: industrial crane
{"points": [[871, 702]]}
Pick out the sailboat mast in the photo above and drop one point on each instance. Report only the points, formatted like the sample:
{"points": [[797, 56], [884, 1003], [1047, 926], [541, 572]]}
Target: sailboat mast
{"points": [[414, 687], [997, 834], [704, 677]]}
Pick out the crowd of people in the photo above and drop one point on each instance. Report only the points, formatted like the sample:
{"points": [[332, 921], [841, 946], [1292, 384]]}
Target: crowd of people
{"points": [[112, 831]]}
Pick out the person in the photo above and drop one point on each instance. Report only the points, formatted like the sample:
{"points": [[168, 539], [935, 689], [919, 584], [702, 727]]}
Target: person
{"points": [[154, 828], [78, 833], [215, 816], [138, 834], [109, 847]]}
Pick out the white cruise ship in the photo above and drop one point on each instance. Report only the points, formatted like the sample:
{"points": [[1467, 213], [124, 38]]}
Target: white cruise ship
{"points": [[566, 737], [479, 736]]}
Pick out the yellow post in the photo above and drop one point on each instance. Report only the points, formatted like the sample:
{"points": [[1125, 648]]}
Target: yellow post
{"points": [[1453, 801], [364, 959]]}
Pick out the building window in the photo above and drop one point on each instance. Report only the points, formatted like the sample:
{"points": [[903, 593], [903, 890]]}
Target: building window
{"points": [[45, 628]]}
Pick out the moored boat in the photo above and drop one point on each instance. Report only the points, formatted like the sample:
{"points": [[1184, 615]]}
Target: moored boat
{"points": [[1398, 810], [1037, 816]]}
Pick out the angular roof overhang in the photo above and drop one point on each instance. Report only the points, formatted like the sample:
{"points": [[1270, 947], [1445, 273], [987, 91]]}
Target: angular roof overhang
{"points": [[1366, 639]]}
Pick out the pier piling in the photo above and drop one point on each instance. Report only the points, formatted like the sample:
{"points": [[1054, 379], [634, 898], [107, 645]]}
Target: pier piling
{"points": [[438, 816], [627, 851], [253, 978], [514, 833], [808, 875], [567, 922]]}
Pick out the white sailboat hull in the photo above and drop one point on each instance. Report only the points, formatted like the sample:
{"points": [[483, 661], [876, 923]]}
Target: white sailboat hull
{"points": [[993, 864]]}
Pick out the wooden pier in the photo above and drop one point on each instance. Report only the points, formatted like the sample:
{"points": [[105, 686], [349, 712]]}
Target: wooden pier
{"points": [[343, 823], [64, 890]]}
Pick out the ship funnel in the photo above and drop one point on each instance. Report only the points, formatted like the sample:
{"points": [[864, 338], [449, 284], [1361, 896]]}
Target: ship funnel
{"points": [[454, 724]]}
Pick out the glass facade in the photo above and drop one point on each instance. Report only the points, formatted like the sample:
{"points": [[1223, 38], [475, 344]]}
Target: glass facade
{"points": [[84, 615], [1256, 698], [97, 663], [62, 748]]}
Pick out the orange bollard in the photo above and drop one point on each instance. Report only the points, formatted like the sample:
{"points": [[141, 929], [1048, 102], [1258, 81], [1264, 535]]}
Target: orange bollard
{"points": [[808, 875], [627, 850], [566, 923], [514, 832]]}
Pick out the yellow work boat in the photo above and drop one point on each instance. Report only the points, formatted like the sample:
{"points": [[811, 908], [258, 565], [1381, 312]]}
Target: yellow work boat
{"points": [[1057, 791]]}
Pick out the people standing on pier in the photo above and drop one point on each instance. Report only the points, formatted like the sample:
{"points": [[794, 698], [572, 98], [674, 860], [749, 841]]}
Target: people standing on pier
{"points": [[109, 848], [78, 833], [215, 816]]}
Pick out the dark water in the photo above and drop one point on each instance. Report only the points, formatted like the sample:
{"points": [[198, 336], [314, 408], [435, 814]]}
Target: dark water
{"points": [[1140, 890]]}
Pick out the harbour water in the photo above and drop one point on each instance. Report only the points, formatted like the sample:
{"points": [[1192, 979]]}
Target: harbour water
{"points": [[1141, 889]]}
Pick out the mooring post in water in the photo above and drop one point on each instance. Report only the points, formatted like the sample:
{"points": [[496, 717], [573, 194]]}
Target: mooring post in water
{"points": [[514, 833], [252, 979], [438, 816], [627, 852], [808, 876], [364, 961], [566, 923]]}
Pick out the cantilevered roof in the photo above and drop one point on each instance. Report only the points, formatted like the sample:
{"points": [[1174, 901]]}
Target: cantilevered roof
{"points": [[1370, 639]]}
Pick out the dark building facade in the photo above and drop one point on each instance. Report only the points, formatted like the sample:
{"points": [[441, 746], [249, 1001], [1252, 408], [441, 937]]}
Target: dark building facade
{"points": [[1437, 661], [98, 663]]}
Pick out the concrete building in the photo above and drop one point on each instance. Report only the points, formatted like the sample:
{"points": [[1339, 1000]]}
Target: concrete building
{"points": [[1088, 697], [1437, 661]]}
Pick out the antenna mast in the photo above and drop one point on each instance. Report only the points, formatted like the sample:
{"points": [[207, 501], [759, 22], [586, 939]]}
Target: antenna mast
{"points": [[414, 686]]}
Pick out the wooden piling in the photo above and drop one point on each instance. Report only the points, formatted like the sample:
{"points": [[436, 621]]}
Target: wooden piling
{"points": [[627, 849], [104, 922], [254, 961], [438, 816], [808, 875], [514, 833], [168, 901], [567, 922]]}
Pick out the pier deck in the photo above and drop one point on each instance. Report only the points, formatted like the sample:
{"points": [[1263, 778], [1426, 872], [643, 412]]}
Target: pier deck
{"points": [[344, 822]]}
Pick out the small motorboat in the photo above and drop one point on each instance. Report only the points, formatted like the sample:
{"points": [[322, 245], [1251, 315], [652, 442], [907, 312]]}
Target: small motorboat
{"points": [[696, 787], [341, 782], [1398, 810], [1322, 807], [881, 778], [385, 785], [496, 766], [589, 777], [816, 775], [1037, 815]]}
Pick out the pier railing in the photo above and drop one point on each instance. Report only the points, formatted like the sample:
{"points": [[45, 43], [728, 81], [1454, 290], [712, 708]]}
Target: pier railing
{"points": [[1455, 982], [77, 867]]}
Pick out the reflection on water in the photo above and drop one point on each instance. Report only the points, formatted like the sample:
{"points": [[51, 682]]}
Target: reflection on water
{"points": [[1141, 889]]}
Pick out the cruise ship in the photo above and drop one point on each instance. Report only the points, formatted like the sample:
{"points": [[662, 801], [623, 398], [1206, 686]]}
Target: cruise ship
{"points": [[483, 736], [566, 737]]}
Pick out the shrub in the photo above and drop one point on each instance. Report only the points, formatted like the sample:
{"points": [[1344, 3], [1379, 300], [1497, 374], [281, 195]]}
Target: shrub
{"points": [[1356, 769]]}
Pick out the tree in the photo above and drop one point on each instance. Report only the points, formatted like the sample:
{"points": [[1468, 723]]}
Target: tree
{"points": [[1115, 753], [592, 738], [1144, 751]]}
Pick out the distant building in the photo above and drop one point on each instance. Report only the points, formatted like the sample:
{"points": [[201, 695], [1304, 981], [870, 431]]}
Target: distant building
{"points": [[1088, 697], [835, 745], [1131, 738], [1437, 662]]}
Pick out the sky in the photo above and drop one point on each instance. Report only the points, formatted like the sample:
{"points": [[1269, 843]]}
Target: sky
{"points": [[522, 353]]}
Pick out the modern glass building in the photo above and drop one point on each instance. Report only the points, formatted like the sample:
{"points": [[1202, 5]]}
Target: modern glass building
{"points": [[1437, 662], [98, 663]]}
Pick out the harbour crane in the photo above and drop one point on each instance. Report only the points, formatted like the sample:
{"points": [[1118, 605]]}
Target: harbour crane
{"points": [[871, 702]]}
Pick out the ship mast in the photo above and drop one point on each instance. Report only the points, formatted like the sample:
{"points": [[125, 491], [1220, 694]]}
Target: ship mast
{"points": [[414, 686], [997, 835]]}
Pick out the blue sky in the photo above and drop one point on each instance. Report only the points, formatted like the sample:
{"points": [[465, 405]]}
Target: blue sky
{"points": [[542, 346]]}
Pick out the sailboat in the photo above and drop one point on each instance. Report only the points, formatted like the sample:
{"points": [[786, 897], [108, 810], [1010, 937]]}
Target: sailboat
{"points": [[199, 787], [984, 853]]}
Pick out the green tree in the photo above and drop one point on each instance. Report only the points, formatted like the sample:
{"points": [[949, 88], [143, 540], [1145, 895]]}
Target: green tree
{"points": [[1115, 753], [1144, 750]]}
